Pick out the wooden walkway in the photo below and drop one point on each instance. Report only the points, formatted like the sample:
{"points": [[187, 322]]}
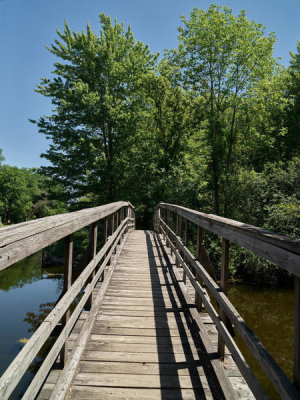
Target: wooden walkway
{"points": [[143, 344]]}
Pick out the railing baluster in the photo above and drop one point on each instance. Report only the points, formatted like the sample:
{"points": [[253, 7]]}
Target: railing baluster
{"points": [[92, 252], [177, 233], [105, 229], [68, 260], [117, 219], [199, 253], [112, 223], [186, 238], [224, 287]]}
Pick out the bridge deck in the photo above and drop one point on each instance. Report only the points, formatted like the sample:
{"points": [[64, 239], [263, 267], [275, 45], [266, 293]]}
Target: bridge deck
{"points": [[143, 345]]}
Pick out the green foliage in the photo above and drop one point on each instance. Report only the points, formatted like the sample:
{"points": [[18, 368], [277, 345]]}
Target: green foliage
{"points": [[213, 126], [221, 58], [19, 188], [98, 106], [2, 158], [22, 273], [292, 138], [25, 195]]}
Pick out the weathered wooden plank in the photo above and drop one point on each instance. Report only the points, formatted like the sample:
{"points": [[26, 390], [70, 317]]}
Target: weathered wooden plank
{"points": [[20, 364], [275, 374], [142, 313], [138, 357], [138, 322], [223, 286], [17, 245], [52, 355], [166, 340], [68, 372], [139, 381], [156, 348], [222, 377], [68, 262], [282, 250], [93, 393], [287, 242], [180, 369]]}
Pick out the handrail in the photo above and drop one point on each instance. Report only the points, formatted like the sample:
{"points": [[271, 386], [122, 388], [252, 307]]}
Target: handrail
{"points": [[21, 240], [122, 217], [282, 250], [260, 242]]}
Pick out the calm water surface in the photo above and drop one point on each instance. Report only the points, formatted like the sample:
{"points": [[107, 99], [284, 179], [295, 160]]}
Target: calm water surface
{"points": [[269, 313], [28, 293]]}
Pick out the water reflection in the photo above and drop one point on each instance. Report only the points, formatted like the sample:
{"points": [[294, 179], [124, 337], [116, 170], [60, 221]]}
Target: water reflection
{"points": [[269, 313], [28, 292], [22, 273]]}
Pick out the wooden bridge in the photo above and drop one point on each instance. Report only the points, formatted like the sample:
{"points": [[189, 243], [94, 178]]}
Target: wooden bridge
{"points": [[138, 322]]}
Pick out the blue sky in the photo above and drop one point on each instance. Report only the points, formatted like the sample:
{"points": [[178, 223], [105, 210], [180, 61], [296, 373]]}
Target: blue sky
{"points": [[27, 26]]}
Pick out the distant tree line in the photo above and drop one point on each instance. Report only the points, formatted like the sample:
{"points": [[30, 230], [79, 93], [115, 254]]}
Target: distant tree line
{"points": [[213, 124], [26, 194]]}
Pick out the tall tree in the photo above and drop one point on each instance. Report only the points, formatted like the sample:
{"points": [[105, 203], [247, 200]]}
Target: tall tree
{"points": [[97, 107], [292, 139], [220, 57], [2, 158]]}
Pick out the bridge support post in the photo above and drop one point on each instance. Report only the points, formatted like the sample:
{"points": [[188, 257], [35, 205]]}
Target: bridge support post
{"points": [[224, 287], [297, 333], [68, 260]]}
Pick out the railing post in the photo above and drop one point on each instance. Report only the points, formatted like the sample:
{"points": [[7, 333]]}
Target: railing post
{"points": [[68, 260], [177, 233], [168, 223], [112, 223], [223, 286], [171, 227], [92, 252], [297, 333], [117, 222], [105, 229], [186, 239], [200, 243], [158, 213]]}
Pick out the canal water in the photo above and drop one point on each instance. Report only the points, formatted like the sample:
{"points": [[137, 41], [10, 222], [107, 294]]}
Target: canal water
{"points": [[28, 292], [269, 312]]}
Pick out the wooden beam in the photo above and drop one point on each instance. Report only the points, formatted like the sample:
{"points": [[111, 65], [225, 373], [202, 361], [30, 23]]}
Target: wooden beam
{"points": [[199, 246], [66, 377], [68, 262], [39, 377], [21, 240], [278, 378], [19, 365], [93, 232], [224, 287], [279, 249], [186, 239]]}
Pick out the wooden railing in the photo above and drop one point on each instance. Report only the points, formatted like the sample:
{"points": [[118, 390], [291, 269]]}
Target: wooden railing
{"points": [[281, 250], [21, 240]]}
